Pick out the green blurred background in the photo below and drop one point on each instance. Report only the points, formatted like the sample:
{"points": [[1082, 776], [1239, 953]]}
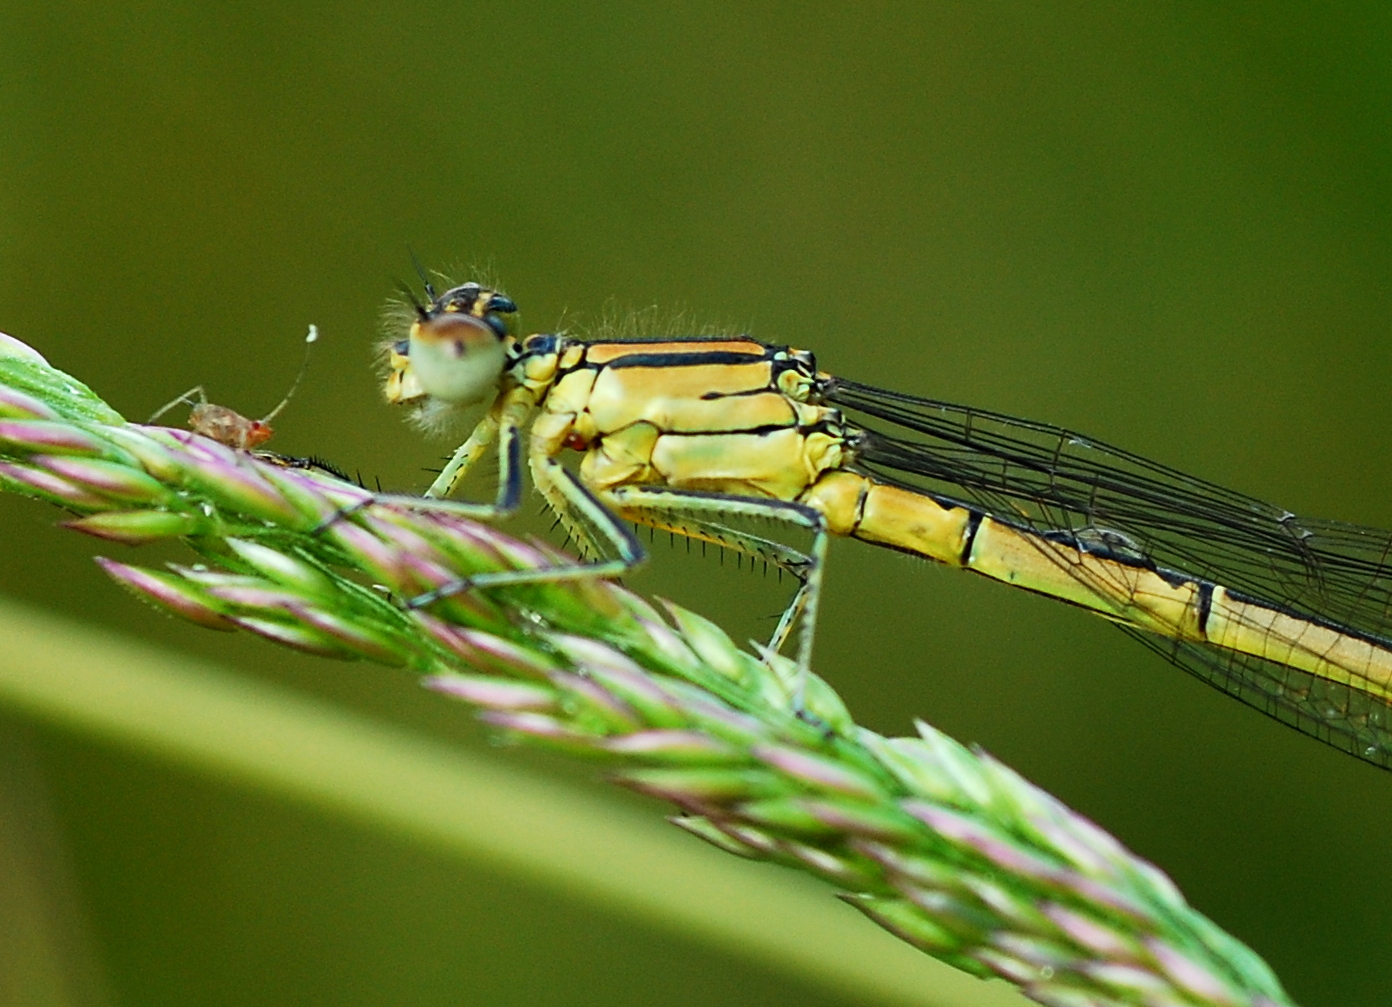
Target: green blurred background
{"points": [[1169, 226]]}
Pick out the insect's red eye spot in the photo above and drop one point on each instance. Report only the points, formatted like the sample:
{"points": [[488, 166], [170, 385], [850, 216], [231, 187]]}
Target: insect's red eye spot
{"points": [[258, 433]]}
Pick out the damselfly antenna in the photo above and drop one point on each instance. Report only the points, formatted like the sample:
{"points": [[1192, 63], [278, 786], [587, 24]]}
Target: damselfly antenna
{"points": [[422, 312], [424, 276], [229, 427]]}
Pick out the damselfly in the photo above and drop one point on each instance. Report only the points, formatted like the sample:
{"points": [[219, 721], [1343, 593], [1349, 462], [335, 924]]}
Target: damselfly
{"points": [[698, 436]]}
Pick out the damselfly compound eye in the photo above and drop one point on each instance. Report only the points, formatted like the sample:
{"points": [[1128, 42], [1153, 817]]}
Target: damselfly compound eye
{"points": [[455, 357]]}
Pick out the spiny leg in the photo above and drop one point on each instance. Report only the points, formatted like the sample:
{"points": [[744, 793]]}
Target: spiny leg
{"points": [[584, 515], [464, 457], [703, 516], [678, 521], [503, 422], [509, 493]]}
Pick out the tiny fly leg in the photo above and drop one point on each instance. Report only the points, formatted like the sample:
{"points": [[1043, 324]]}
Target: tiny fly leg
{"points": [[704, 516], [185, 399]]}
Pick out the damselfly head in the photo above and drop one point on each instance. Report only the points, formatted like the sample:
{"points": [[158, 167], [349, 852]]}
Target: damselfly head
{"points": [[455, 351]]}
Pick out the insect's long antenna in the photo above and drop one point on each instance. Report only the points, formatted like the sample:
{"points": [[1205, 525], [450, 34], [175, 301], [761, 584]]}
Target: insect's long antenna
{"points": [[310, 339]]}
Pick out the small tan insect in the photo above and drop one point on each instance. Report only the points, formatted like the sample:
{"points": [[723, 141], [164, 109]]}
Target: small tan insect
{"points": [[226, 425]]}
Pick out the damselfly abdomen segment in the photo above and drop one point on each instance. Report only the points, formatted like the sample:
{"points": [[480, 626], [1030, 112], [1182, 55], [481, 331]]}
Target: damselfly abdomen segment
{"points": [[695, 436]]}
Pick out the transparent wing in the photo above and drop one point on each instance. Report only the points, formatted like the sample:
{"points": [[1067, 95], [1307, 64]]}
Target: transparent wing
{"points": [[1068, 489]]}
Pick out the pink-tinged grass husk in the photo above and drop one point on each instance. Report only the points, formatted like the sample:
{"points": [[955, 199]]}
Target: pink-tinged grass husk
{"points": [[17, 405], [138, 527], [49, 486], [167, 591], [114, 481], [941, 845], [493, 693], [49, 436]]}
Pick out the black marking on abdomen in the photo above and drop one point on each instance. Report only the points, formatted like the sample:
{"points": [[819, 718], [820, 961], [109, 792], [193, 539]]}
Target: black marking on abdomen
{"points": [[1203, 607], [974, 519]]}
